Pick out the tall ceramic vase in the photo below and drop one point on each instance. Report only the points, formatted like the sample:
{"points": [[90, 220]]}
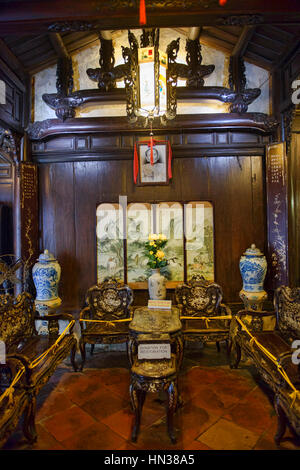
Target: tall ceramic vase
{"points": [[46, 275], [253, 268], [157, 285]]}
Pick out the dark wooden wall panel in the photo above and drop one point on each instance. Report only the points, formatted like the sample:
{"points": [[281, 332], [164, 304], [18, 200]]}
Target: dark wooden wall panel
{"points": [[86, 176], [70, 193]]}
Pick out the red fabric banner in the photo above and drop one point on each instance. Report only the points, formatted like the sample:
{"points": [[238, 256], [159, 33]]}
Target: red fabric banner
{"points": [[142, 12]]}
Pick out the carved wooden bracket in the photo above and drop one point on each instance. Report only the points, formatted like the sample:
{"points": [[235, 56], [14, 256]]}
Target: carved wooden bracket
{"points": [[64, 102], [107, 74], [242, 97]]}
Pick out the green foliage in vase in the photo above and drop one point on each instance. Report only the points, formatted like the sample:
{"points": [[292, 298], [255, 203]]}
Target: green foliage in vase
{"points": [[154, 251]]}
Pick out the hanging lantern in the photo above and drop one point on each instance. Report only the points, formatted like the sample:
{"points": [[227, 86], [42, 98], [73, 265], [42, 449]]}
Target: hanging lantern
{"points": [[152, 82]]}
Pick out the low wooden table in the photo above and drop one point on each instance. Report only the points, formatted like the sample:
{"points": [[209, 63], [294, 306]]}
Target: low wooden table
{"points": [[156, 322], [154, 376]]}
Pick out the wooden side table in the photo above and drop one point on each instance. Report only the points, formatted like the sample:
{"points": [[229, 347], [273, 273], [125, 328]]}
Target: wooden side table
{"points": [[154, 376], [156, 322]]}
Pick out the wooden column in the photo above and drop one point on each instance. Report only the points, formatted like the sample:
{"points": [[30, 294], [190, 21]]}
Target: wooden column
{"points": [[277, 216], [25, 208]]}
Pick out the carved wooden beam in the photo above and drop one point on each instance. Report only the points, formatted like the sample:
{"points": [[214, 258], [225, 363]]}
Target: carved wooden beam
{"points": [[10, 58], [243, 41], [58, 45], [256, 121], [32, 16]]}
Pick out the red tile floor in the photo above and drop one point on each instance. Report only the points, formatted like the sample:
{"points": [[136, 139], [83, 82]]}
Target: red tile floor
{"points": [[223, 409]]}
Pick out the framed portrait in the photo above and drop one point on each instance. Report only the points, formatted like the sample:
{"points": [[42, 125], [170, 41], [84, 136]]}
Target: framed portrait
{"points": [[156, 174]]}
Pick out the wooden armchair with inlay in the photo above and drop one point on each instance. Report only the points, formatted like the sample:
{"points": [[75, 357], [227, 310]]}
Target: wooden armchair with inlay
{"points": [[30, 359], [270, 340], [204, 318], [106, 317]]}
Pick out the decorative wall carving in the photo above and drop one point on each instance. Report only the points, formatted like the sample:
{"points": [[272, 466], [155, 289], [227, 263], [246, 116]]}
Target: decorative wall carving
{"points": [[8, 143], [237, 82], [63, 102], [107, 74], [70, 26], [194, 71], [270, 123], [288, 117], [36, 130], [240, 20]]}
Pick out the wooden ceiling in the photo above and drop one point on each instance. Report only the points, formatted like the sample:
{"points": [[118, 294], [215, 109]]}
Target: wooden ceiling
{"points": [[35, 33], [265, 46]]}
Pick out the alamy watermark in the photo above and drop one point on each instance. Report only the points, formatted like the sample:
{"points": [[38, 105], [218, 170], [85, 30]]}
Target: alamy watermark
{"points": [[296, 353], [2, 92], [116, 221], [2, 352], [296, 94]]}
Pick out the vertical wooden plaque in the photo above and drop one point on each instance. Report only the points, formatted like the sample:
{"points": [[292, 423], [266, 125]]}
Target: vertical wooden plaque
{"points": [[277, 215], [29, 212]]}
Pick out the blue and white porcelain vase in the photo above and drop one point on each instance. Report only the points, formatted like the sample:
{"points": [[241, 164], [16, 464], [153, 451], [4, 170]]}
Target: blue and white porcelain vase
{"points": [[46, 275], [253, 268]]}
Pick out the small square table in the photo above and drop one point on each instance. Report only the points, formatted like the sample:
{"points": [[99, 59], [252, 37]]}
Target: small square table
{"points": [[156, 322]]}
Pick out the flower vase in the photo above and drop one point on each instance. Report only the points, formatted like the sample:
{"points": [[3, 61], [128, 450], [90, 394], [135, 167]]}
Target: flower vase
{"points": [[157, 285], [253, 267]]}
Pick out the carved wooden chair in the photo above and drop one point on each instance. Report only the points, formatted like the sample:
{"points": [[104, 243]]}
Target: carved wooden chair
{"points": [[267, 339], [106, 317], [204, 318], [30, 360]]}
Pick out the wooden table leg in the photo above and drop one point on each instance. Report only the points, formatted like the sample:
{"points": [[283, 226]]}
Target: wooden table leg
{"points": [[137, 400], [179, 348], [82, 351], [172, 405], [29, 420], [131, 350], [282, 421]]}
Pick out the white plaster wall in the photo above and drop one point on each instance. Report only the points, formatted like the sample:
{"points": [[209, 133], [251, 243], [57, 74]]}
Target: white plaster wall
{"points": [[89, 58], [44, 82], [258, 77]]}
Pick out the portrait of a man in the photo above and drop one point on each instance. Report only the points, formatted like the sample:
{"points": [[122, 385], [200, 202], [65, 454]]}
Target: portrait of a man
{"points": [[156, 173]]}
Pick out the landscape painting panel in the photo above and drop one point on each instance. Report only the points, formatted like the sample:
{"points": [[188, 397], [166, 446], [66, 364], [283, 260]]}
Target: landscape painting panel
{"points": [[110, 247], [169, 221], [199, 231], [139, 226]]}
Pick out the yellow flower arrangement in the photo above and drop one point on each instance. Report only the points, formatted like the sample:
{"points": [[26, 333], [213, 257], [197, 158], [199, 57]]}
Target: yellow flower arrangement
{"points": [[153, 250], [160, 254]]}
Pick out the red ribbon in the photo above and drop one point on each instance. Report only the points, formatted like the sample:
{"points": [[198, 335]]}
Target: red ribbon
{"points": [[151, 143], [151, 150], [142, 12]]}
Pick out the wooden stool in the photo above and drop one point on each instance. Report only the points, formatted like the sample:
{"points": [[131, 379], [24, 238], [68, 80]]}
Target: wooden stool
{"points": [[153, 376]]}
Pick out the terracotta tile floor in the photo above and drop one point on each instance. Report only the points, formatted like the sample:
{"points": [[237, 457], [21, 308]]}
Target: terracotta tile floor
{"points": [[223, 409]]}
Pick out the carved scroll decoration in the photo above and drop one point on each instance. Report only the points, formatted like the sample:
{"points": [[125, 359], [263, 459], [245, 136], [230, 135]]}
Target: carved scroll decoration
{"points": [[64, 102]]}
